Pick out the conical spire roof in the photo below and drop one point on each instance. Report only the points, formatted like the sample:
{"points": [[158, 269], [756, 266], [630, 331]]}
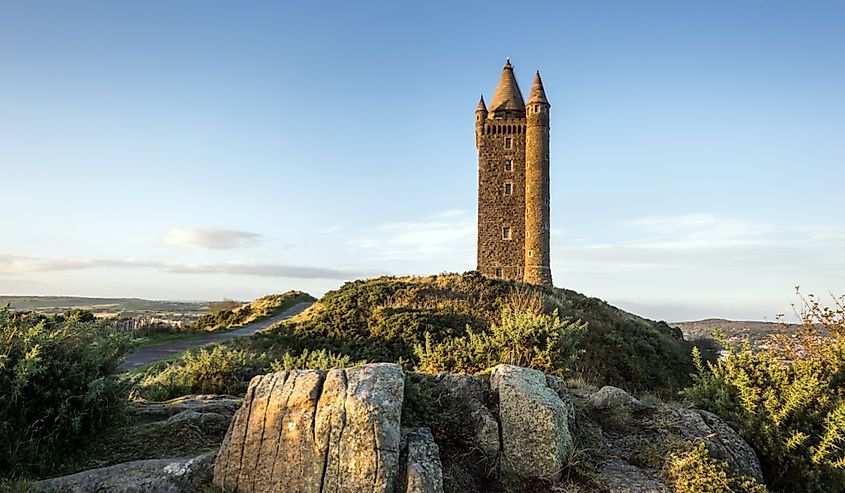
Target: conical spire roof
{"points": [[507, 96], [481, 106], [538, 94]]}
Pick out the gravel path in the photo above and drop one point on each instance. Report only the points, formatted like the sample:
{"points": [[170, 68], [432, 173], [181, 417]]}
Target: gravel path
{"points": [[154, 352]]}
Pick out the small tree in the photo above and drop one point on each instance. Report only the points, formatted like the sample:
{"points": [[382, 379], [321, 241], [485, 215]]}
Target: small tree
{"points": [[788, 400]]}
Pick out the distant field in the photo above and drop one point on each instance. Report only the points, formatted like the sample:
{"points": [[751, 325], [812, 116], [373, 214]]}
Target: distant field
{"points": [[123, 306], [735, 331]]}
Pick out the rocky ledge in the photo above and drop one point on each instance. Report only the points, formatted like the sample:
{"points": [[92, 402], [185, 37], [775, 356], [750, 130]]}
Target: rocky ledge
{"points": [[341, 431]]}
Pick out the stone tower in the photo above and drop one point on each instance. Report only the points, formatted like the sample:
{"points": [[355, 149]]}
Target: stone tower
{"points": [[513, 182]]}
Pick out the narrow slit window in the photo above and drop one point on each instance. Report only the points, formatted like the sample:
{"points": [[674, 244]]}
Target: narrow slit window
{"points": [[508, 142], [508, 165], [508, 188], [506, 233], [498, 272]]}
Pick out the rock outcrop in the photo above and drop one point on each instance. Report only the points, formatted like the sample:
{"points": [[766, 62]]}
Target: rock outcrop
{"points": [[421, 471], [609, 397], [179, 475], [306, 431], [623, 477], [652, 432], [225, 405], [474, 391], [312, 431], [534, 422]]}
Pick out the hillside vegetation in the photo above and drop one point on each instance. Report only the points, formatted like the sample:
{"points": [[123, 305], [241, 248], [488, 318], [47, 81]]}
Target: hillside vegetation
{"points": [[446, 323], [258, 309], [385, 319], [787, 399], [58, 383]]}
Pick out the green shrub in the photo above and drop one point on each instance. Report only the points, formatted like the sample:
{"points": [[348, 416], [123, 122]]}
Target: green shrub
{"points": [[58, 382], [788, 401], [526, 338], [311, 360], [219, 370], [696, 472], [222, 369]]}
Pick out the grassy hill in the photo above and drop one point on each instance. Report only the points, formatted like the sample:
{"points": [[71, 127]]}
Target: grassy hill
{"points": [[386, 318], [259, 309]]}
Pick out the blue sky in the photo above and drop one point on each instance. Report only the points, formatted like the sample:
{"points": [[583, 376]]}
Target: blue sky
{"points": [[196, 150]]}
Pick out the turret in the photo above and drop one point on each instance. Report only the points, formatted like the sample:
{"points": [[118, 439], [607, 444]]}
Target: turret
{"points": [[480, 117], [537, 251]]}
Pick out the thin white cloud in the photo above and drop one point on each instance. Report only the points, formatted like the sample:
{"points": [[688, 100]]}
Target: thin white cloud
{"points": [[210, 239], [704, 264], [704, 241], [450, 213], [272, 270], [449, 233], [16, 264], [698, 231]]}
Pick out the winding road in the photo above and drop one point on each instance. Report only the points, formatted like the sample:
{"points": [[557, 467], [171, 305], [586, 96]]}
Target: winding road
{"points": [[154, 352]]}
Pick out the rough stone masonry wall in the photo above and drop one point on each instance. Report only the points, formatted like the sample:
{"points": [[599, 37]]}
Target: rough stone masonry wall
{"points": [[537, 254], [495, 209]]}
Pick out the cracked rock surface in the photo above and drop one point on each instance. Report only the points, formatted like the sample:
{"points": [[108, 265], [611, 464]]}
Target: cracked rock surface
{"points": [[179, 475], [534, 422], [422, 471], [314, 431]]}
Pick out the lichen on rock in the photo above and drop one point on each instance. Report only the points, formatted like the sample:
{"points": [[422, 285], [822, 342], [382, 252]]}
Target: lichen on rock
{"points": [[534, 422]]}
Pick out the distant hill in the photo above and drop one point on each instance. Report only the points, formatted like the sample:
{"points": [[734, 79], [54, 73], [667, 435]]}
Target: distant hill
{"points": [[103, 306], [735, 330]]}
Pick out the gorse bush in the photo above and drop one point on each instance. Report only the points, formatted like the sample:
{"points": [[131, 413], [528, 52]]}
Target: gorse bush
{"points": [[218, 370], [224, 370], [58, 382], [696, 472], [312, 360], [526, 338], [788, 401]]}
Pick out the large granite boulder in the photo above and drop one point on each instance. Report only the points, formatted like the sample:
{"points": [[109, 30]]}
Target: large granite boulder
{"points": [[534, 422], [421, 471], [310, 431], [179, 475]]}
